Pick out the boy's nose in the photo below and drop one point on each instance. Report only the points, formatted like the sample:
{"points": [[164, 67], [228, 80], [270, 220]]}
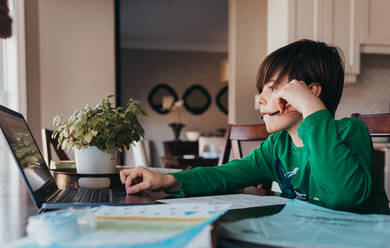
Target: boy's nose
{"points": [[261, 100]]}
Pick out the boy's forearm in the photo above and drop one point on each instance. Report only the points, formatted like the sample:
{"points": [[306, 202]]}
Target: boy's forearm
{"points": [[251, 170]]}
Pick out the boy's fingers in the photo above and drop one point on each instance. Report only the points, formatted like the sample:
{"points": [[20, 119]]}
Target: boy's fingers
{"points": [[124, 174], [127, 183], [138, 187], [134, 175], [129, 180], [282, 105], [290, 108]]}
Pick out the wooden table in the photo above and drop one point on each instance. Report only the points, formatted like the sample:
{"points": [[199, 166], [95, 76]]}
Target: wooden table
{"points": [[16, 206], [178, 162]]}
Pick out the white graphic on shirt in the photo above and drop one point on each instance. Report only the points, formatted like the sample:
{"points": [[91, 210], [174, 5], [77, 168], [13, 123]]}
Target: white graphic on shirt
{"points": [[292, 173]]}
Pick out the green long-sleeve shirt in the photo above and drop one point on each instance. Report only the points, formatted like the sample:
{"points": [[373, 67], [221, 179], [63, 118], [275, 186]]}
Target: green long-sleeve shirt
{"points": [[334, 168]]}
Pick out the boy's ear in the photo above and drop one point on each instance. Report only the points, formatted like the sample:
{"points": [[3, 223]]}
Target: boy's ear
{"points": [[316, 88]]}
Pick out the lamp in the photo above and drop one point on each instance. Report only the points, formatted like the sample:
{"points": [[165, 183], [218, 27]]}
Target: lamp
{"points": [[168, 103], [176, 128], [224, 71]]}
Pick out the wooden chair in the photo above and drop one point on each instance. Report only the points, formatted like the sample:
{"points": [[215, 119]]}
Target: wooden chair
{"points": [[235, 134], [48, 141], [379, 126]]}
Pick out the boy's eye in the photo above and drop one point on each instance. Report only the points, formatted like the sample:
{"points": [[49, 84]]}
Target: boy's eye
{"points": [[272, 87]]}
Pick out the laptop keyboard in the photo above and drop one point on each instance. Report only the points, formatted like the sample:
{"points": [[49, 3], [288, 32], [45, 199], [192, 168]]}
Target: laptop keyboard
{"points": [[84, 196]]}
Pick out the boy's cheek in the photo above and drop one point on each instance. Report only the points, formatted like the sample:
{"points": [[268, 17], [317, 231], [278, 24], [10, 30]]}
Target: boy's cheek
{"points": [[273, 125], [274, 104]]}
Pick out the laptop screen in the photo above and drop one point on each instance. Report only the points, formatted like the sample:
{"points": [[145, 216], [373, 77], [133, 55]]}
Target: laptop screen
{"points": [[27, 155]]}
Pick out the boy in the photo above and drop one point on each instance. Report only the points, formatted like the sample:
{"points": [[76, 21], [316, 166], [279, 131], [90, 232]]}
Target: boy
{"points": [[311, 155]]}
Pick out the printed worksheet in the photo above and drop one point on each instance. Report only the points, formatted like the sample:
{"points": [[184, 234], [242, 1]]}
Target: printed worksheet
{"points": [[237, 201], [147, 226], [302, 224]]}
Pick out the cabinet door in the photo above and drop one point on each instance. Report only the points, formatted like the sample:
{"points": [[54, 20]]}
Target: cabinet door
{"points": [[344, 33], [332, 21], [336, 22], [375, 18]]}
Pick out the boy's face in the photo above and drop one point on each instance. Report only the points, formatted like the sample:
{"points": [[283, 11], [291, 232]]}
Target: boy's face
{"points": [[269, 103]]}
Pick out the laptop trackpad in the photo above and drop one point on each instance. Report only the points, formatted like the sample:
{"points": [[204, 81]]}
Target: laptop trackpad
{"points": [[139, 198]]}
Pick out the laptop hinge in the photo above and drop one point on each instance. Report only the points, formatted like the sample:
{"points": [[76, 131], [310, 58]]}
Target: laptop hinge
{"points": [[51, 197]]}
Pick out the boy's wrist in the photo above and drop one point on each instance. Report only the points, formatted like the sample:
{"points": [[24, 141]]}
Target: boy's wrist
{"points": [[171, 184], [312, 108]]}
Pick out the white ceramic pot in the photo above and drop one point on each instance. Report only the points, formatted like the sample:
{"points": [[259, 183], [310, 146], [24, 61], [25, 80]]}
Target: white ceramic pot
{"points": [[192, 135], [91, 160]]}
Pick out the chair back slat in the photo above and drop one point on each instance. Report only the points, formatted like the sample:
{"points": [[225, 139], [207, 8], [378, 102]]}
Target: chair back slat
{"points": [[248, 132], [378, 124], [49, 141], [236, 149], [235, 134]]}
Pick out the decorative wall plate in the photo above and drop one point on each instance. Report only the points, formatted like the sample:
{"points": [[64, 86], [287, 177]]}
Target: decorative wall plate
{"points": [[156, 95], [196, 99], [222, 99]]}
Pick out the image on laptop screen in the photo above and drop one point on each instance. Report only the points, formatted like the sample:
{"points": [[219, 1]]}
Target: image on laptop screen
{"points": [[25, 151]]}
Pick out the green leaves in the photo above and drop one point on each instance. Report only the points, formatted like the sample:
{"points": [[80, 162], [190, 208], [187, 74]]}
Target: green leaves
{"points": [[104, 126]]}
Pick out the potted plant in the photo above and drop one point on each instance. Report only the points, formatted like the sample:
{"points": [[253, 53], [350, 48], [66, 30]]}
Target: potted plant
{"points": [[175, 107], [96, 134]]}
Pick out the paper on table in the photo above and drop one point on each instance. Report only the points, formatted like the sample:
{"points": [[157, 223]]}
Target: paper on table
{"points": [[301, 224], [159, 225], [237, 200], [62, 164]]}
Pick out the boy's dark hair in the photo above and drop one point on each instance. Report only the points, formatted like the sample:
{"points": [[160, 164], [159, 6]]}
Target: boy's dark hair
{"points": [[308, 61]]}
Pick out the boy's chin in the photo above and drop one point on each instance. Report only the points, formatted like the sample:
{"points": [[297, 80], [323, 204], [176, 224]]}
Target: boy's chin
{"points": [[273, 129], [277, 126]]}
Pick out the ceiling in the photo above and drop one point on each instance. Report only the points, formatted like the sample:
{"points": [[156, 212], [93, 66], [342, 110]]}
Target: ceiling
{"points": [[190, 25]]}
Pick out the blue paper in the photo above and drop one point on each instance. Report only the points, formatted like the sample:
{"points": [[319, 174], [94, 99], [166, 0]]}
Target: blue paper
{"points": [[307, 225]]}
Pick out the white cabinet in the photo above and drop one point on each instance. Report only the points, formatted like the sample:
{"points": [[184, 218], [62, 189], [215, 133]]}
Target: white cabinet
{"points": [[332, 21], [375, 34]]}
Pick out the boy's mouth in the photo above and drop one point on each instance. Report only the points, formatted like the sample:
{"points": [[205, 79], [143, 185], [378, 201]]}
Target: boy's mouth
{"points": [[270, 114]]}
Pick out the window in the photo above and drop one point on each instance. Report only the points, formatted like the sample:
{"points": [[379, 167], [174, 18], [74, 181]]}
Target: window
{"points": [[12, 62], [3, 95], [12, 95]]}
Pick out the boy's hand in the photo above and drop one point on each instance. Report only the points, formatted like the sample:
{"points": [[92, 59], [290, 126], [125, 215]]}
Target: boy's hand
{"points": [[140, 178], [297, 96]]}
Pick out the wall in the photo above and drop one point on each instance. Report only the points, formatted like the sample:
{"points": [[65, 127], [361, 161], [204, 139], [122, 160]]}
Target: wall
{"points": [[70, 57], [370, 94], [32, 69], [247, 49], [144, 69]]}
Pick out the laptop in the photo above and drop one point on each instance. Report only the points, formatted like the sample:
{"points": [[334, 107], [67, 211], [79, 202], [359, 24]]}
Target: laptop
{"points": [[38, 179]]}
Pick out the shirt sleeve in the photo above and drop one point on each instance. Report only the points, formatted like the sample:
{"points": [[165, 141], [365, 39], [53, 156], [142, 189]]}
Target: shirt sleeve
{"points": [[340, 158], [256, 168]]}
